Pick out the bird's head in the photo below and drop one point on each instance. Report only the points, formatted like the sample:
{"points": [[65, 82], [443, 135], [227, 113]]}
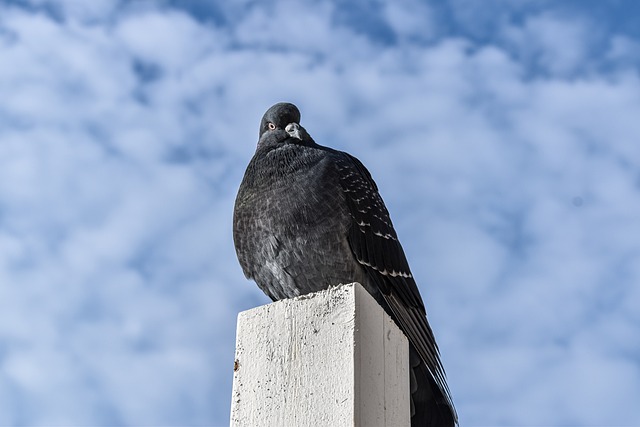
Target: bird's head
{"points": [[279, 116], [280, 123]]}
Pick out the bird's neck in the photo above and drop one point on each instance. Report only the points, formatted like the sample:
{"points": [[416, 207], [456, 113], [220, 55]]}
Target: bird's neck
{"points": [[282, 163]]}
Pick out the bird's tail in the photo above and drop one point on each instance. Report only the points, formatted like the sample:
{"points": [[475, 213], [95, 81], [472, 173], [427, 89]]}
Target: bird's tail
{"points": [[429, 407]]}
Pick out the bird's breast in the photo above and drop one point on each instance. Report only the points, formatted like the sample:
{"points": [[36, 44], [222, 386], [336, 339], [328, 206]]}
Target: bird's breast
{"points": [[296, 196], [290, 229]]}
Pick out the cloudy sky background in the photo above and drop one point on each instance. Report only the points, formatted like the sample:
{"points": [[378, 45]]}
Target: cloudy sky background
{"points": [[503, 136]]}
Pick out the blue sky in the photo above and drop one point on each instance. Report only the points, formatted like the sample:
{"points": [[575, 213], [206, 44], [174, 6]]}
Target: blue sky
{"points": [[502, 135]]}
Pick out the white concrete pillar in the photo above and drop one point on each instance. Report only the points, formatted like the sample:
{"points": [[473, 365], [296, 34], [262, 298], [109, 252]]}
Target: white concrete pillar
{"points": [[333, 358]]}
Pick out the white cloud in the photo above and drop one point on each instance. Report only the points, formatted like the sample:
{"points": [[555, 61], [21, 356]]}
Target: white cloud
{"points": [[173, 40], [94, 10], [557, 45], [412, 19], [624, 50]]}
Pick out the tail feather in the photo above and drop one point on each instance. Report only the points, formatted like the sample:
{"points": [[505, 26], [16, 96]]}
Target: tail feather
{"points": [[428, 407]]}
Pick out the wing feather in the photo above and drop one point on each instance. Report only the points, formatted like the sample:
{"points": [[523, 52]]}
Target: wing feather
{"points": [[375, 245]]}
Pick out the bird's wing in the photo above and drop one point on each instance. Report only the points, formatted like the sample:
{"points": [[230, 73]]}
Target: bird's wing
{"points": [[375, 245]]}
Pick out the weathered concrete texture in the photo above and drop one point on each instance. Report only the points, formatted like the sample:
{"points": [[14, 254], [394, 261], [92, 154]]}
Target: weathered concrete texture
{"points": [[333, 358]]}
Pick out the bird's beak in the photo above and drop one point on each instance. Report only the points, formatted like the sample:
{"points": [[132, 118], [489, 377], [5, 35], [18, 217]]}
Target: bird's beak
{"points": [[293, 129]]}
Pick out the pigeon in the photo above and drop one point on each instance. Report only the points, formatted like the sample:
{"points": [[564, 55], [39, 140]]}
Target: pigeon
{"points": [[308, 217]]}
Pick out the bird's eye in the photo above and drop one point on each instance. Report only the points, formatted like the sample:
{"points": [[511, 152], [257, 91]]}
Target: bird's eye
{"points": [[271, 126]]}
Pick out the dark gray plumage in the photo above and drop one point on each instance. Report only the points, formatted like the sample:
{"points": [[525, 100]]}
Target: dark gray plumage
{"points": [[308, 217]]}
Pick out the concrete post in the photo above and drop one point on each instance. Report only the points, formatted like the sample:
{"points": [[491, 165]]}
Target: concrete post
{"points": [[333, 358]]}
